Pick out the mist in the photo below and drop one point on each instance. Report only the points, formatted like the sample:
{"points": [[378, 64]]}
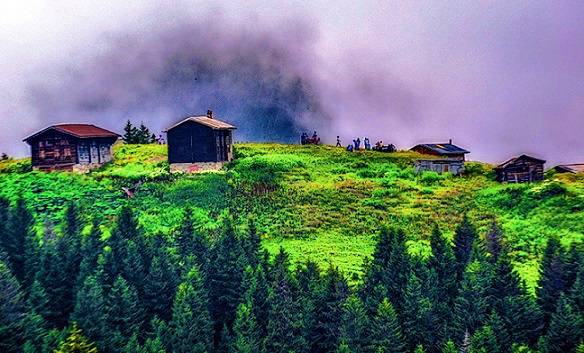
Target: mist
{"points": [[499, 79]]}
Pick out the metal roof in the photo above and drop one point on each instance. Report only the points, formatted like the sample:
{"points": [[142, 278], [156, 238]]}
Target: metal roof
{"points": [[205, 120], [443, 148], [514, 159], [78, 130], [574, 168]]}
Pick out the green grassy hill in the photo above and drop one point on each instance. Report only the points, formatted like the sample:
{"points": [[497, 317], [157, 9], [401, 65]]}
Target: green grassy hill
{"points": [[317, 202]]}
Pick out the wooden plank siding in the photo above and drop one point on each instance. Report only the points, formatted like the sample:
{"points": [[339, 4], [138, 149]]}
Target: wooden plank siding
{"points": [[523, 169]]}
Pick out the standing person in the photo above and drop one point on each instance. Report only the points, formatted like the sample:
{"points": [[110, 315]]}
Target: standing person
{"points": [[350, 148], [358, 145], [367, 144], [339, 142], [303, 138]]}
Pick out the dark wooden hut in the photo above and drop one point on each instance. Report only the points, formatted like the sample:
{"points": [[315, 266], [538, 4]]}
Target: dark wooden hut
{"points": [[570, 168], [447, 150], [71, 146], [522, 169], [200, 139]]}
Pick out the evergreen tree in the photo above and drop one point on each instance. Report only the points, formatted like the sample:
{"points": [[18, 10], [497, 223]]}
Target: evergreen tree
{"points": [[124, 313], [329, 310], [191, 329], [449, 347], [566, 329], [37, 300], [134, 269], [246, 336], [484, 341], [284, 324], [386, 334], [523, 319], [470, 307], [160, 287], [225, 278], [420, 349], [499, 331], [353, 325], [419, 323], [12, 311], [34, 331], [91, 249], [494, 242], [19, 230], [551, 284], [129, 133], [143, 136], [76, 343], [443, 263], [390, 269], [90, 311], [252, 243], [463, 243]]}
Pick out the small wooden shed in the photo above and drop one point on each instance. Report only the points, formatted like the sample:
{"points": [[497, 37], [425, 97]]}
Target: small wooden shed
{"points": [[200, 139], [70, 147], [570, 168], [440, 165], [447, 150], [522, 169]]}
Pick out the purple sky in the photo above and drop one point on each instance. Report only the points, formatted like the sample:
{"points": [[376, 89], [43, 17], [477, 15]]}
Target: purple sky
{"points": [[498, 77]]}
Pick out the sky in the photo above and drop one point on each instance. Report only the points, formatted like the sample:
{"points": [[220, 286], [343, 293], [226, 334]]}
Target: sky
{"points": [[500, 78]]}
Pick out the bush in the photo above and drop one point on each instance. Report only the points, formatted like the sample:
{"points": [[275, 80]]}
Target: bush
{"points": [[430, 178]]}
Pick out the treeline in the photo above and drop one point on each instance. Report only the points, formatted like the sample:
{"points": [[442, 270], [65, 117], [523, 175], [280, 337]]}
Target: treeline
{"points": [[219, 292], [138, 135]]}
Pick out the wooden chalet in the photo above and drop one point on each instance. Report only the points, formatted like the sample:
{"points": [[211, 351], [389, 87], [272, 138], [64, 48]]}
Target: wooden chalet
{"points": [[570, 168], [200, 139], [522, 169], [71, 147], [446, 150], [451, 158]]}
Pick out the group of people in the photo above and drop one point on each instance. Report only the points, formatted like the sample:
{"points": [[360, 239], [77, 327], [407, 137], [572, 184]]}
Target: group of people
{"points": [[356, 145], [312, 140]]}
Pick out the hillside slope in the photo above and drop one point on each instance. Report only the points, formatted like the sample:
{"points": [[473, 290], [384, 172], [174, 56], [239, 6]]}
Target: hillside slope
{"points": [[317, 202]]}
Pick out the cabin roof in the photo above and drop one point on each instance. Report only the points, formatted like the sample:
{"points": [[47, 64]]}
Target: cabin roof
{"points": [[443, 148], [207, 121], [574, 168], [77, 130], [515, 159]]}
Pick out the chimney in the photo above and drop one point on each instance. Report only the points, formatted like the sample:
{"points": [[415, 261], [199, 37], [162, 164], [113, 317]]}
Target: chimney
{"points": [[450, 141], [210, 114]]}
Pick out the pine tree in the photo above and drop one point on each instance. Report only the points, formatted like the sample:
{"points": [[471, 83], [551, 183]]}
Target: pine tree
{"points": [[470, 307], [133, 266], [34, 330], [143, 135], [90, 311], [353, 325], [129, 133], [551, 284], [160, 287], [386, 335], [284, 324], [91, 249], [494, 242], [463, 243], [252, 243], [419, 323], [37, 300], [329, 311], [443, 263], [190, 327], [390, 269], [484, 341], [12, 311], [344, 348], [420, 349], [565, 330], [19, 230], [523, 319], [76, 343], [449, 347], [246, 336], [124, 314], [225, 278]]}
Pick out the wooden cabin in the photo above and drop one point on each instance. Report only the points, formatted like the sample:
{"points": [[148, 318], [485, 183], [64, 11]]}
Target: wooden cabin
{"points": [[570, 168], [446, 150], [71, 147], [522, 169], [440, 165], [200, 139]]}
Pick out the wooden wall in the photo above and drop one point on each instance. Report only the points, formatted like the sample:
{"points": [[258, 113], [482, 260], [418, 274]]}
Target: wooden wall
{"points": [[193, 143], [521, 171]]}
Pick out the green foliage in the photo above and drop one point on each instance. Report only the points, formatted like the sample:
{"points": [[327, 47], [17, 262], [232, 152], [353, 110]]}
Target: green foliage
{"points": [[76, 343]]}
